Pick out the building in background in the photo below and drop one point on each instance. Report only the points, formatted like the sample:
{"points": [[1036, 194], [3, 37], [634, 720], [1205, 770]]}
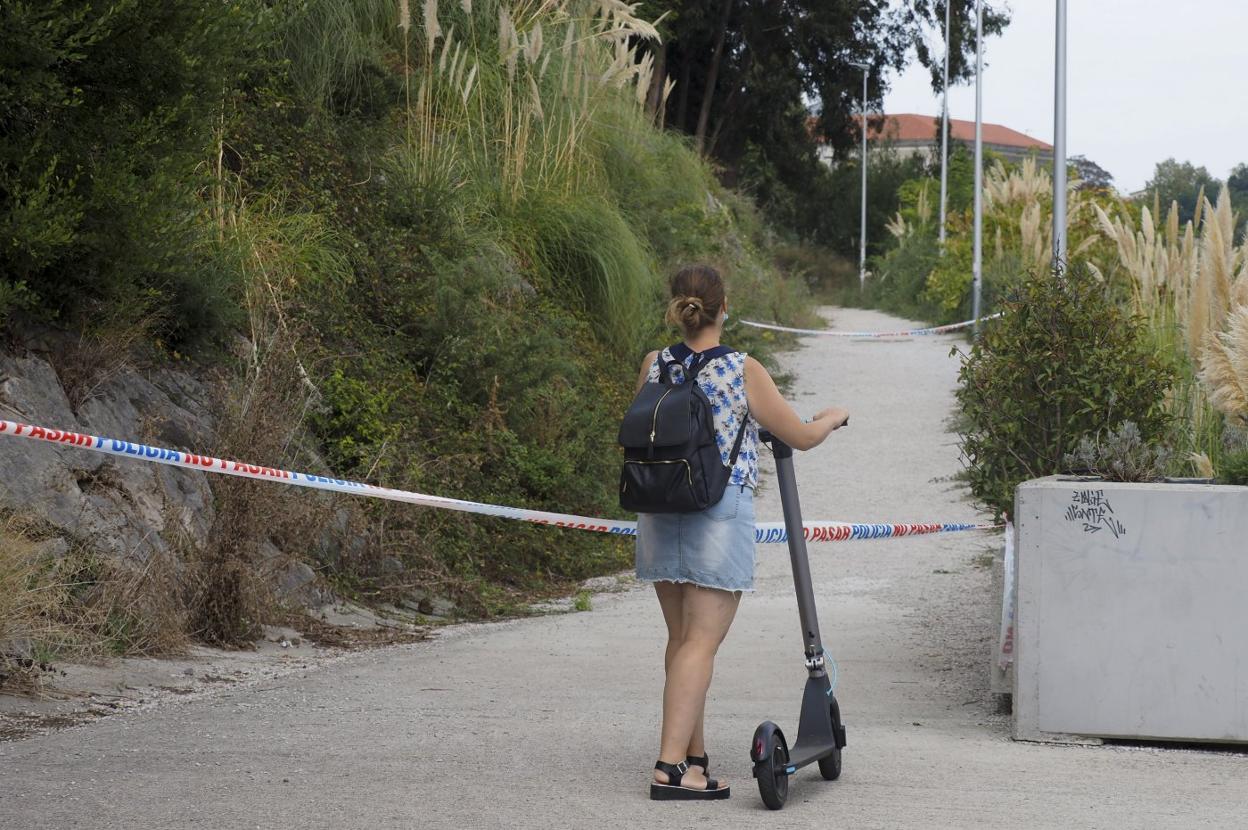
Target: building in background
{"points": [[910, 134]]}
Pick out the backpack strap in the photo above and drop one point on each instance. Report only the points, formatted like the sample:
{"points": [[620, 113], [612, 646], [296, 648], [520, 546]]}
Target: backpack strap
{"points": [[665, 370], [736, 446], [680, 353]]}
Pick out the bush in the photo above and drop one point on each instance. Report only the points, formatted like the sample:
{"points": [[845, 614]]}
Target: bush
{"points": [[1120, 455], [1064, 362], [1232, 467], [900, 276], [108, 112]]}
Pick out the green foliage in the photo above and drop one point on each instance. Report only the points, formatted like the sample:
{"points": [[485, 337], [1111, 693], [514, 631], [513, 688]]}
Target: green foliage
{"points": [[466, 274], [747, 74], [336, 51], [1181, 182], [108, 111], [1232, 465], [1234, 468], [1064, 362], [898, 281], [827, 206]]}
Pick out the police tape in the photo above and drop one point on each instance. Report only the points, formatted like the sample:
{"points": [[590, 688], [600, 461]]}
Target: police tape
{"points": [[902, 333], [764, 532]]}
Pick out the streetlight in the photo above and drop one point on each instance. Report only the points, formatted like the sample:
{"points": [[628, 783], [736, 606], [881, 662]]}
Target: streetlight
{"points": [[944, 133], [862, 243], [1059, 140], [978, 261]]}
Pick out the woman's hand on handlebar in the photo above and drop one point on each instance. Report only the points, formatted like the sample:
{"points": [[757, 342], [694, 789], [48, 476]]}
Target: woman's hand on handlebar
{"points": [[774, 414], [836, 415]]}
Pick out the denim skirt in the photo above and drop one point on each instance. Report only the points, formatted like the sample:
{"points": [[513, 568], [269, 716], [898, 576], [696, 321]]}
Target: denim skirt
{"points": [[713, 548]]}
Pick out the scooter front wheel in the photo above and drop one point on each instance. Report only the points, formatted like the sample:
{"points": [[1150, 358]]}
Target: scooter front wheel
{"points": [[772, 774], [830, 765]]}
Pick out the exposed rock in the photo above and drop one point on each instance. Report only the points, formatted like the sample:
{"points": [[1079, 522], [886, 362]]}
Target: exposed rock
{"points": [[339, 540], [121, 507], [296, 584], [117, 506]]}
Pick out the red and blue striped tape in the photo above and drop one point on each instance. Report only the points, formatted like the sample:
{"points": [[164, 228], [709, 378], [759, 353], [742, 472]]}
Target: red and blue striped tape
{"points": [[764, 532]]}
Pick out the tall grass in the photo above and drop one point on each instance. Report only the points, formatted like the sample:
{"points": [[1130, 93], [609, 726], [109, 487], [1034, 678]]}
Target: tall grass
{"points": [[1193, 288], [336, 52], [502, 125]]}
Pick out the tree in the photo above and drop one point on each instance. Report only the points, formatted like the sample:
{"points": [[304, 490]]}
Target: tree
{"points": [[1180, 182], [747, 73], [1091, 175], [1237, 183]]}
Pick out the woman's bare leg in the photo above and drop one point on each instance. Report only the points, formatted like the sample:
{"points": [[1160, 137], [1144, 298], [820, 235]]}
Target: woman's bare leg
{"points": [[707, 615], [671, 600]]}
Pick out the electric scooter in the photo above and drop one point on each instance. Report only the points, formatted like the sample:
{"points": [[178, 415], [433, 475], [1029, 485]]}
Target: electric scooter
{"points": [[820, 733]]}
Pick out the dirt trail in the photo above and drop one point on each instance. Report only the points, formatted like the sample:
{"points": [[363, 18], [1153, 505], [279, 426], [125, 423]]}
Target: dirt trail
{"points": [[552, 722]]}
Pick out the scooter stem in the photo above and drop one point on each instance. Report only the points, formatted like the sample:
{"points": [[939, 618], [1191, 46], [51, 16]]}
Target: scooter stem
{"points": [[802, 584]]}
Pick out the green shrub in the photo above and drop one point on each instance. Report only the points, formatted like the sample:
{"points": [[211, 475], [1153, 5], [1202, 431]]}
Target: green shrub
{"points": [[1119, 455], [108, 114], [1064, 362], [1234, 468], [899, 278], [1232, 465]]}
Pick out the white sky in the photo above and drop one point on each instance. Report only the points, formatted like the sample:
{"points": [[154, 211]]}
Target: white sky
{"points": [[1147, 79]]}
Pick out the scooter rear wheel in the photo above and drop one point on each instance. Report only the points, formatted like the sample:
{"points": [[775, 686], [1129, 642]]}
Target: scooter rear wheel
{"points": [[773, 779], [830, 765]]}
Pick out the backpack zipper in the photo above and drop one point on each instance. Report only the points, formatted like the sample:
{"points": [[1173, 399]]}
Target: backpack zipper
{"points": [[688, 469], [654, 420]]}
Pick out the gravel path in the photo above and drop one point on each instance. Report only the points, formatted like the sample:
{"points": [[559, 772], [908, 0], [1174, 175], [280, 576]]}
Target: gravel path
{"points": [[552, 722]]}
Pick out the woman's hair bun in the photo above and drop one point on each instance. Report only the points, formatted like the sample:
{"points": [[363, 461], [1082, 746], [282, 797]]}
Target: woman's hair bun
{"points": [[697, 298], [691, 310]]}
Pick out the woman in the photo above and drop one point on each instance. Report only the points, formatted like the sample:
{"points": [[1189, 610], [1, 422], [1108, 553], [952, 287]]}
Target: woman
{"points": [[701, 562]]}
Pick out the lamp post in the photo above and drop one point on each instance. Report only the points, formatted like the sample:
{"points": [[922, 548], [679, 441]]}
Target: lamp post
{"points": [[1059, 140], [978, 261], [866, 69], [944, 133]]}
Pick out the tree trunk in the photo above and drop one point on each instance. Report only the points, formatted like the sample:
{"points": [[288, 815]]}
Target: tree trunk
{"points": [[729, 109], [682, 107], [731, 104], [654, 97], [712, 75]]}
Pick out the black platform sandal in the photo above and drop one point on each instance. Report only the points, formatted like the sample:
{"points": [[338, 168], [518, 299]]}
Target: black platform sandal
{"points": [[699, 761], [673, 791]]}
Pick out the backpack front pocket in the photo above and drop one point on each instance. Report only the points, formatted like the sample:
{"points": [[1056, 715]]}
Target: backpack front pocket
{"points": [[642, 482]]}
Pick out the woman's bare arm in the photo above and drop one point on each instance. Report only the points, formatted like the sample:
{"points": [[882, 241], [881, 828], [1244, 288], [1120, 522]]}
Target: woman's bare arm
{"points": [[775, 415], [645, 370]]}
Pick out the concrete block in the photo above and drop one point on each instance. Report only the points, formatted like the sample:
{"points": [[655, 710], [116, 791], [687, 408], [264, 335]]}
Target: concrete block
{"points": [[1131, 611]]}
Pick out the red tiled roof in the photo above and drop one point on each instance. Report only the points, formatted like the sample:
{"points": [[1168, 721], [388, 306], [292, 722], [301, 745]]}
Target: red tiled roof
{"points": [[925, 128]]}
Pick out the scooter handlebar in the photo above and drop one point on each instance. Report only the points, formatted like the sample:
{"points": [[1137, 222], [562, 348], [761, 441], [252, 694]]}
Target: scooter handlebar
{"points": [[778, 448]]}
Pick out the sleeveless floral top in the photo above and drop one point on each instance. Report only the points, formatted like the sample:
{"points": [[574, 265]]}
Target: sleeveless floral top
{"points": [[723, 381]]}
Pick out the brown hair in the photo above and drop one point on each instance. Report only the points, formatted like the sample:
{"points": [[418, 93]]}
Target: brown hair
{"points": [[697, 298]]}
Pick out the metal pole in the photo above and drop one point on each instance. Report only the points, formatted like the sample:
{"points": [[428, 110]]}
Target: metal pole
{"points": [[1059, 141], [944, 132], [862, 243], [978, 266]]}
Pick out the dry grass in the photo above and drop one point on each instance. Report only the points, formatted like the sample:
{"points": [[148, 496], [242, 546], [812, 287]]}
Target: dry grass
{"points": [[98, 354], [79, 606], [1193, 288], [1024, 194], [1225, 369]]}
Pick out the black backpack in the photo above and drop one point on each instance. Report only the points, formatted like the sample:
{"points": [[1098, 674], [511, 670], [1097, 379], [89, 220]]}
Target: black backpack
{"points": [[671, 460]]}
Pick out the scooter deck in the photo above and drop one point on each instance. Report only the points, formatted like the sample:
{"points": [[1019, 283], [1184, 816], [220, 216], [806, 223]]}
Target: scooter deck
{"points": [[800, 756]]}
